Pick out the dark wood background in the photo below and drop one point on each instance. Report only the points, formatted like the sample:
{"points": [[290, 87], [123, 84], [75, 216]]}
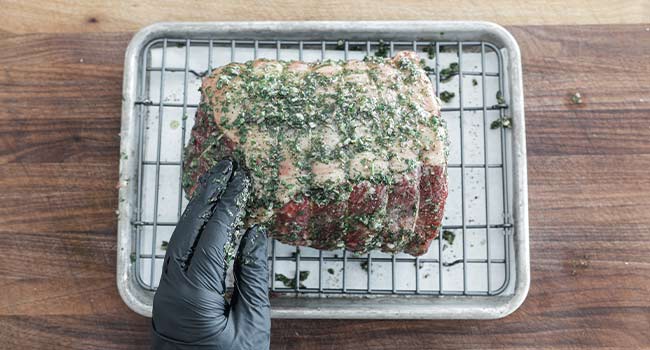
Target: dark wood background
{"points": [[589, 184]]}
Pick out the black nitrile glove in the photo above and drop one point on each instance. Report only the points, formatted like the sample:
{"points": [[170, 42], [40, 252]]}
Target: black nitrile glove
{"points": [[189, 309]]}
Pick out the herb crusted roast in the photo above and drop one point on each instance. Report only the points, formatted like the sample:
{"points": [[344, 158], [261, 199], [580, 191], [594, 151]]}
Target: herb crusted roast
{"points": [[341, 154]]}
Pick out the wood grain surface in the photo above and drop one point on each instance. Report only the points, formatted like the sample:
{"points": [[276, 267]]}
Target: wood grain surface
{"points": [[65, 16], [589, 192]]}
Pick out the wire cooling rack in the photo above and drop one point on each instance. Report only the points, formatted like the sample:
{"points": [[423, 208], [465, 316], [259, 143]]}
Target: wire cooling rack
{"points": [[473, 255]]}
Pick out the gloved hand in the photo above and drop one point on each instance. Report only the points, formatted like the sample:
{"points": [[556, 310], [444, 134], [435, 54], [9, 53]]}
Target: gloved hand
{"points": [[189, 309]]}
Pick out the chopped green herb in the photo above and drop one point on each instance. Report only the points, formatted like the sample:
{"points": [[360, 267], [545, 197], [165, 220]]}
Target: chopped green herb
{"points": [[505, 123], [330, 271], [474, 82], [382, 50], [447, 73], [164, 245], [576, 98], [446, 96], [426, 68], [449, 236], [500, 99], [132, 256], [364, 266], [291, 282], [431, 51], [409, 66]]}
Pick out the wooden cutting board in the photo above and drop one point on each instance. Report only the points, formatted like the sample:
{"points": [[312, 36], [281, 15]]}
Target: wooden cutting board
{"points": [[589, 184]]}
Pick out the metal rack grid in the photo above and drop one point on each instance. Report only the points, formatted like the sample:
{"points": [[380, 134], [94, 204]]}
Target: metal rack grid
{"points": [[147, 252]]}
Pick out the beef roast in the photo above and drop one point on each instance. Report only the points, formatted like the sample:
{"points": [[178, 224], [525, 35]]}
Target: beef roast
{"points": [[341, 154]]}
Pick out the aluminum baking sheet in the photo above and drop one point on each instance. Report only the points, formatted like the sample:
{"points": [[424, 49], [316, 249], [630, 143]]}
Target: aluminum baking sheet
{"points": [[480, 268]]}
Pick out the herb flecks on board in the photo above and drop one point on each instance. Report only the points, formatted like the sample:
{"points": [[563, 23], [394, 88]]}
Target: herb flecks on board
{"points": [[576, 98]]}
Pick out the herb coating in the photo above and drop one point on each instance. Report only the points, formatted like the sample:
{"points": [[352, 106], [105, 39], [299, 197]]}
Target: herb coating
{"points": [[327, 145]]}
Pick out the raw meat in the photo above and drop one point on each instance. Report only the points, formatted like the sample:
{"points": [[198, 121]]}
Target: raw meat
{"points": [[342, 154]]}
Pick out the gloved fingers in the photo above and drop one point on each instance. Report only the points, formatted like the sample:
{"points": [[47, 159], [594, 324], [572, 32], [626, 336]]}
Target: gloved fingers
{"points": [[250, 310], [251, 270], [215, 245], [185, 312], [211, 186]]}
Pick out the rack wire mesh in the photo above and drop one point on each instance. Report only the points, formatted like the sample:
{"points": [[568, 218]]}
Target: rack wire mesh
{"points": [[473, 255]]}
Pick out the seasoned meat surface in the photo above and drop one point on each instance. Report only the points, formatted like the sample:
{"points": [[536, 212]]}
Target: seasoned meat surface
{"points": [[342, 154]]}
